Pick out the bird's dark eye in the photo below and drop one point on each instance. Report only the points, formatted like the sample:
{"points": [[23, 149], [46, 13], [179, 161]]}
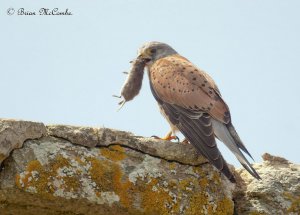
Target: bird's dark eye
{"points": [[153, 51]]}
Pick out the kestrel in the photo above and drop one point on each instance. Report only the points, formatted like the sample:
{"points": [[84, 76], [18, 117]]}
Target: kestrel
{"points": [[192, 104]]}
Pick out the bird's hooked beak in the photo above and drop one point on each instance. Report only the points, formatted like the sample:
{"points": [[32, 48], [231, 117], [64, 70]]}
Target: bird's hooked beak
{"points": [[144, 57]]}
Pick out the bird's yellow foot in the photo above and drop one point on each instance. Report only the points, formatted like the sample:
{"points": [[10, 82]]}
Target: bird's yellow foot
{"points": [[168, 137]]}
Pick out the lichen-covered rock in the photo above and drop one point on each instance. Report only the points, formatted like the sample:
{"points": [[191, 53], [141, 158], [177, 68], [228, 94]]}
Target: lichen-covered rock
{"points": [[124, 174], [13, 133], [92, 137], [277, 193], [58, 169], [84, 136]]}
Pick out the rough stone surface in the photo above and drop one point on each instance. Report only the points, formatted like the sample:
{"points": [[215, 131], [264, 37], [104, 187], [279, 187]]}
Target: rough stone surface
{"points": [[59, 169], [74, 170], [277, 193], [91, 137], [84, 136], [13, 133]]}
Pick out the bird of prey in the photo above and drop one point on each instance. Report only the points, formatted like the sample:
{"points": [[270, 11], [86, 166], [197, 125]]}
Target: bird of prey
{"points": [[192, 104]]}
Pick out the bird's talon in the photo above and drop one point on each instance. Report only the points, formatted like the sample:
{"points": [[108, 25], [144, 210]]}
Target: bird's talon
{"points": [[169, 138], [185, 141], [155, 137]]}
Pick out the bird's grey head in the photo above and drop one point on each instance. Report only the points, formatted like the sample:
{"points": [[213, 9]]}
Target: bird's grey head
{"points": [[152, 51]]}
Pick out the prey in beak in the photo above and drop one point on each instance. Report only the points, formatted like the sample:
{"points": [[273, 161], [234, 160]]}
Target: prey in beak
{"points": [[133, 83]]}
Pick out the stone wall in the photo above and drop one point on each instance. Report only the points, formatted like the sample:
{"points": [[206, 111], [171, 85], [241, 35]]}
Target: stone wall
{"points": [[60, 169]]}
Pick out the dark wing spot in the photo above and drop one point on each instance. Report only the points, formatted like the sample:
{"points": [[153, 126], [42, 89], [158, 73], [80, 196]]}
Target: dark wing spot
{"points": [[194, 79]]}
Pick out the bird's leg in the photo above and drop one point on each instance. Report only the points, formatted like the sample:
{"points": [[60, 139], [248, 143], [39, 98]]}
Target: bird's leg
{"points": [[170, 137], [167, 137]]}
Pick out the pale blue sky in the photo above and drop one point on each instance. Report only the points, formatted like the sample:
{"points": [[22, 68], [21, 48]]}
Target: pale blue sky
{"points": [[64, 69]]}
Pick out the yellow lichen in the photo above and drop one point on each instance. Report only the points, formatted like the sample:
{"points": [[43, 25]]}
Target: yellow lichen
{"points": [[23, 182], [108, 177], [187, 184], [172, 165], [59, 162], [114, 153], [123, 188], [216, 178], [45, 176], [150, 194], [199, 204], [40, 184], [154, 202], [118, 148], [203, 182], [295, 205], [224, 207], [34, 165], [101, 173], [197, 201], [198, 171], [72, 183], [79, 161]]}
